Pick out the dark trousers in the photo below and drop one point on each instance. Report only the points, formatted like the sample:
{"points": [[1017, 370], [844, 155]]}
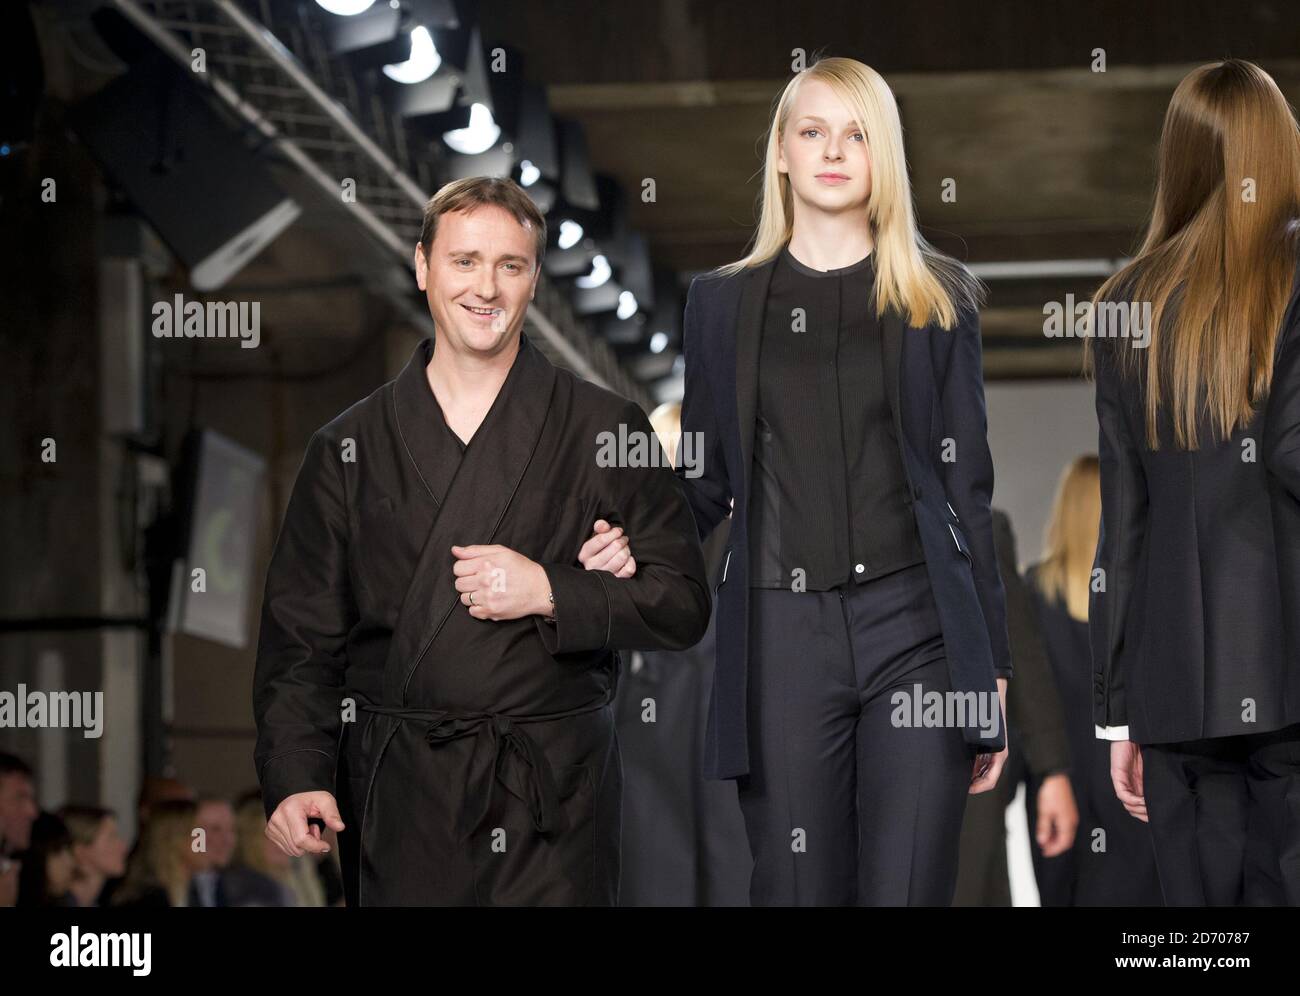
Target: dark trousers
{"points": [[1225, 819], [841, 806]]}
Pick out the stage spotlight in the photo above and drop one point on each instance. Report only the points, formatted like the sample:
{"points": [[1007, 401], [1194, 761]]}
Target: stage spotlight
{"points": [[631, 256], [422, 63], [599, 275], [528, 173], [627, 306], [535, 133], [658, 342], [577, 183], [570, 234], [346, 8], [480, 136], [496, 161]]}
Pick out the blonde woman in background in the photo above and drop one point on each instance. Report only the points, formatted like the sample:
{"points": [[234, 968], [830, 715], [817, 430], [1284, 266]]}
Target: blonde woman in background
{"points": [[1111, 863], [295, 879], [164, 861], [1194, 616]]}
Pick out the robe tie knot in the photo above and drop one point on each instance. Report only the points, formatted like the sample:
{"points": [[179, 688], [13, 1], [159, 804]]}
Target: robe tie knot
{"points": [[503, 754]]}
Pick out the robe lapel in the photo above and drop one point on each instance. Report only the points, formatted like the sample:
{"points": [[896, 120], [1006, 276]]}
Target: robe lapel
{"points": [[475, 501], [420, 423], [747, 335]]}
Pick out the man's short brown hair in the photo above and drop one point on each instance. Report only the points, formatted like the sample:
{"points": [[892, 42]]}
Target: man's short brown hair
{"points": [[473, 191]]}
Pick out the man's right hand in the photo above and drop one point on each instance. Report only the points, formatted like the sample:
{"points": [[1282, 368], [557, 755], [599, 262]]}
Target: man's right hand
{"points": [[288, 827]]}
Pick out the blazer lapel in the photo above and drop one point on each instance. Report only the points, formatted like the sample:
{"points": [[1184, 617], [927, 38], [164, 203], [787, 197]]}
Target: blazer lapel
{"points": [[747, 335], [474, 505]]}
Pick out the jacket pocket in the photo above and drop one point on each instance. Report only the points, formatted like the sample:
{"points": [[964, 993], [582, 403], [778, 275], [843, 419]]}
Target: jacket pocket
{"points": [[959, 539]]}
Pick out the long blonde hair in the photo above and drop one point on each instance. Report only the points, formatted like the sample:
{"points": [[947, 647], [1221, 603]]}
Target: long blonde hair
{"points": [[158, 860], [1070, 537], [914, 278], [1220, 246]]}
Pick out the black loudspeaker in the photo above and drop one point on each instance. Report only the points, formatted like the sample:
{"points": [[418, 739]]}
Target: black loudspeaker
{"points": [[187, 170]]}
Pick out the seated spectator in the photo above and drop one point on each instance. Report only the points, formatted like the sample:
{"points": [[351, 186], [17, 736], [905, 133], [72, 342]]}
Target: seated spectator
{"points": [[98, 849], [225, 880], [47, 864], [17, 812], [267, 872], [162, 866]]}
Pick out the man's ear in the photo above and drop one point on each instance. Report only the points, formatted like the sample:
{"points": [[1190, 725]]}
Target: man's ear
{"points": [[421, 266]]}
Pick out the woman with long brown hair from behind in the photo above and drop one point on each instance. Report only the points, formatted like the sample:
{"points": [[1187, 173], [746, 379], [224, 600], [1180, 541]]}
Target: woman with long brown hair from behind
{"points": [[1110, 863], [1195, 593]]}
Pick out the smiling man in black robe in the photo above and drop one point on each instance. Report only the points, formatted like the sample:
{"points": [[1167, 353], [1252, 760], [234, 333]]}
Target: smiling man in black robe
{"points": [[434, 667]]}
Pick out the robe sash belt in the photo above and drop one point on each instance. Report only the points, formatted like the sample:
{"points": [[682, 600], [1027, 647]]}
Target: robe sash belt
{"points": [[503, 752]]}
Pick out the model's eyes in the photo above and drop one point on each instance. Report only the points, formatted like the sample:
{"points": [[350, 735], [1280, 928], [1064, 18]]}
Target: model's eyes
{"points": [[466, 260], [817, 131], [513, 267]]}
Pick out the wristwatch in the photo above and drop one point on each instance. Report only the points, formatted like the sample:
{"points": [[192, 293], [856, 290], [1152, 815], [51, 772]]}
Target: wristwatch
{"points": [[550, 597]]}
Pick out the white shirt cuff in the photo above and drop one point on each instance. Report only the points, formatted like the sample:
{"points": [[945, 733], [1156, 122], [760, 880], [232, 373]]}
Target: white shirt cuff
{"points": [[1112, 732]]}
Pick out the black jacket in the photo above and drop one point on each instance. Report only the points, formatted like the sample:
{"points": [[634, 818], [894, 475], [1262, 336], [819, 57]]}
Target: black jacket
{"points": [[935, 385], [1194, 633]]}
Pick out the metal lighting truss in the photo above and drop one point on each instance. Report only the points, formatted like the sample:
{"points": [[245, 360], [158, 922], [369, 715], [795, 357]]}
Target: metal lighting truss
{"points": [[278, 77]]}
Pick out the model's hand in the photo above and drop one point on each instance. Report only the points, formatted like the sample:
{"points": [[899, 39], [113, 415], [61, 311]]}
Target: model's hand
{"points": [[288, 827], [987, 768], [1126, 776], [497, 583], [1058, 816], [608, 550]]}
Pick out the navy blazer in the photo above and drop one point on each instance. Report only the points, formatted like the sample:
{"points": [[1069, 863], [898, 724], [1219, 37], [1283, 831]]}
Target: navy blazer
{"points": [[1196, 631], [935, 385]]}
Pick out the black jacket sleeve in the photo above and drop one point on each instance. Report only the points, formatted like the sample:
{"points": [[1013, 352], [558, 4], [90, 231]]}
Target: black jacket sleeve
{"points": [[968, 479], [706, 485], [1282, 426], [1033, 703], [1119, 546], [307, 613], [666, 604]]}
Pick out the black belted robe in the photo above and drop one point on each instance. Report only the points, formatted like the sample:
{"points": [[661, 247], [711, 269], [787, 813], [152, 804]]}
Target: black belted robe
{"points": [[474, 761]]}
